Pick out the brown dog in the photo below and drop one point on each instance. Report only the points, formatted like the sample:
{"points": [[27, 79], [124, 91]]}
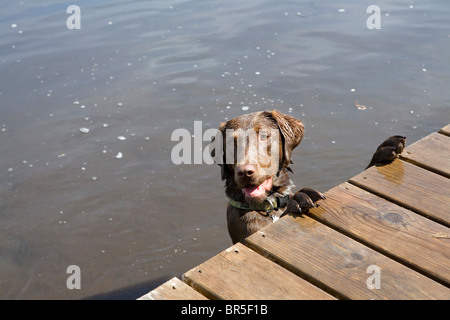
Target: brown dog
{"points": [[255, 160]]}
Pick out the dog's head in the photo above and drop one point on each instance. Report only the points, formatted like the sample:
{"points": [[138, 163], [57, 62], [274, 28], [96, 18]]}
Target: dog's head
{"points": [[257, 149]]}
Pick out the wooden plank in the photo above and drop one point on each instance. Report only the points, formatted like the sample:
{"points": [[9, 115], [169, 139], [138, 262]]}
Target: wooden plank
{"points": [[431, 153], [339, 264], [409, 186], [408, 237], [445, 130], [240, 273], [174, 289]]}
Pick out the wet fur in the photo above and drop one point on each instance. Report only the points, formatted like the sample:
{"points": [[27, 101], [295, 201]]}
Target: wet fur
{"points": [[242, 223]]}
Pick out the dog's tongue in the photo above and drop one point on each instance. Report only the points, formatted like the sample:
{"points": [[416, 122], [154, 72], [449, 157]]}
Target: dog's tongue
{"points": [[258, 191]]}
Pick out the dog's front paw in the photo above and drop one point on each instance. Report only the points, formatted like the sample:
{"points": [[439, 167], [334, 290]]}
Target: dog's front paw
{"points": [[388, 151], [304, 200]]}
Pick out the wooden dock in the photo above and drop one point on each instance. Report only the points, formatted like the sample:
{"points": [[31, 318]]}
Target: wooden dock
{"points": [[383, 234]]}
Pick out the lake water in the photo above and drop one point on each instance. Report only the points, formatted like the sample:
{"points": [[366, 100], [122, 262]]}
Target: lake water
{"points": [[138, 70]]}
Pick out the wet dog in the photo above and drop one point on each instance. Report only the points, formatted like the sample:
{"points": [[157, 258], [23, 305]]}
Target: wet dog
{"points": [[255, 154]]}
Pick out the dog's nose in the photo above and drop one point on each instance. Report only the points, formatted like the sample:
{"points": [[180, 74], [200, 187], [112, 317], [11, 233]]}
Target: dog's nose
{"points": [[247, 170]]}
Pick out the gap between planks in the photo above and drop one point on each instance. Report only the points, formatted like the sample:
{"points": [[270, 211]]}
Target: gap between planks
{"points": [[409, 186], [396, 232]]}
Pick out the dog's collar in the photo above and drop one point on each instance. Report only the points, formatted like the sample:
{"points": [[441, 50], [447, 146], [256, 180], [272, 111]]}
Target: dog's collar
{"points": [[268, 205]]}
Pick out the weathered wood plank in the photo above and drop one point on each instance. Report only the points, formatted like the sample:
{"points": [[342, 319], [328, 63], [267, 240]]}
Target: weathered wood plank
{"points": [[174, 289], [445, 130], [408, 237], [409, 186], [338, 263], [431, 153], [240, 273]]}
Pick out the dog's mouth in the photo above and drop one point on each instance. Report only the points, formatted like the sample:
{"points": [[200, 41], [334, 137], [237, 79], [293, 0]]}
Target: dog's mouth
{"points": [[252, 191]]}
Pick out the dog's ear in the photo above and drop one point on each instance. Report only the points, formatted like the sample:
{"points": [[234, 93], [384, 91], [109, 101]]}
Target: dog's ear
{"points": [[224, 170], [292, 133]]}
